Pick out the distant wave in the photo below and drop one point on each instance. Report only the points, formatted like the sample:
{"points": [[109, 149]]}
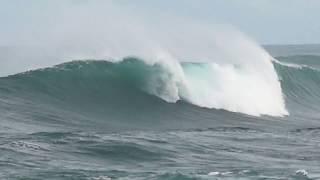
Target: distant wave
{"points": [[300, 61], [300, 81]]}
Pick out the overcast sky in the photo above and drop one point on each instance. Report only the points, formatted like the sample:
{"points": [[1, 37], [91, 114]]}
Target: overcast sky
{"points": [[267, 21]]}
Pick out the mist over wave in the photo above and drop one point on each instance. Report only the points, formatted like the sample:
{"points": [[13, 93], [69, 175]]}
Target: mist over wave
{"points": [[235, 73]]}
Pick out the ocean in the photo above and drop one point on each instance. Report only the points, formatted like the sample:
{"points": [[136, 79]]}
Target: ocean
{"points": [[135, 119]]}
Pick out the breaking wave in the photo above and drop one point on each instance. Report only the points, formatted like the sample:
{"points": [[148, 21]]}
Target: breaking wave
{"points": [[230, 87]]}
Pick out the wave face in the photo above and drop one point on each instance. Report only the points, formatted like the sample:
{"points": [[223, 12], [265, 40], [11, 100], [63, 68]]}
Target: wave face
{"points": [[300, 77], [210, 85]]}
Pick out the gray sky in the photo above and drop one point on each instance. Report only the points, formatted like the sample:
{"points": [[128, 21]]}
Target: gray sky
{"points": [[267, 21]]}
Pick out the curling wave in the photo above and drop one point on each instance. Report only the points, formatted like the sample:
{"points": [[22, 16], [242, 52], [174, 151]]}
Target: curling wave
{"points": [[231, 87]]}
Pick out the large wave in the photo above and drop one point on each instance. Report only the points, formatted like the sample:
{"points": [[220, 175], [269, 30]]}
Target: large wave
{"points": [[231, 87], [225, 69], [131, 90]]}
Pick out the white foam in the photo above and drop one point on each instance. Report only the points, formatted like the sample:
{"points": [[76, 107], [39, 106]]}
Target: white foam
{"points": [[216, 173], [293, 65], [234, 89], [213, 173], [101, 178], [301, 172], [243, 79]]}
